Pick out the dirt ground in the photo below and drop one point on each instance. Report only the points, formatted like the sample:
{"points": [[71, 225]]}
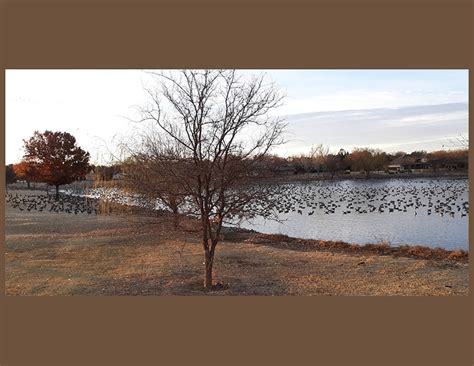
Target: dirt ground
{"points": [[68, 254]]}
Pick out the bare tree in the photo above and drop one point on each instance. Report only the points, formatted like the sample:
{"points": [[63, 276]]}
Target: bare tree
{"points": [[460, 142], [215, 131], [320, 156], [313, 161], [319, 153], [151, 170], [332, 164]]}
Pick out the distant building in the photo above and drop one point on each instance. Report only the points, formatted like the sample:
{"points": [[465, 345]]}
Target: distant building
{"points": [[394, 168], [416, 164], [408, 163]]}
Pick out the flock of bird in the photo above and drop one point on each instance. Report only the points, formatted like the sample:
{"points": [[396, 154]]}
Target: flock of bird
{"points": [[65, 204], [430, 197]]}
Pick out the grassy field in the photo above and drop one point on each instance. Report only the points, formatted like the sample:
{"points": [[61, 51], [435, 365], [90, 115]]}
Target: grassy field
{"points": [[68, 254]]}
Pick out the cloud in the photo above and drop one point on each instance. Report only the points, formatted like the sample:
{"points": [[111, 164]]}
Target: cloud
{"points": [[427, 127], [341, 108], [361, 99]]}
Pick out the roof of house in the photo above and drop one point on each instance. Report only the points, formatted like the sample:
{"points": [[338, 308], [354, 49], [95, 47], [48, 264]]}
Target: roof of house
{"points": [[408, 160], [402, 160]]}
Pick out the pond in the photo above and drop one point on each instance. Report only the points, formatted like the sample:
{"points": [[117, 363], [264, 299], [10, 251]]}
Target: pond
{"points": [[428, 212]]}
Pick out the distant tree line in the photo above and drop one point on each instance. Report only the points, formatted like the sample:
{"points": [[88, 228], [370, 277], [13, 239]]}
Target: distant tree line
{"points": [[319, 160], [366, 160]]}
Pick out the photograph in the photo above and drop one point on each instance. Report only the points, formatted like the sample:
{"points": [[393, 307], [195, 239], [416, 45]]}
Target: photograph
{"points": [[236, 182]]}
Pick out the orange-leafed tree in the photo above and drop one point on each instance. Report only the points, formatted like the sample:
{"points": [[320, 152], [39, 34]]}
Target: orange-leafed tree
{"points": [[367, 160], [57, 157], [446, 158], [27, 171]]}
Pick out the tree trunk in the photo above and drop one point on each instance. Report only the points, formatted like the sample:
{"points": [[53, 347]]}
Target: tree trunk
{"points": [[28, 184], [175, 218], [175, 221], [208, 270], [57, 192], [207, 253]]}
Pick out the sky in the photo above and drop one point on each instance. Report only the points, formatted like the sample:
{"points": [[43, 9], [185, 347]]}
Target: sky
{"points": [[388, 109]]}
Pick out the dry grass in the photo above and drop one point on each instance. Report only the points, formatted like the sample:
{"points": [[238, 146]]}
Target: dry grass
{"points": [[383, 248], [60, 254]]}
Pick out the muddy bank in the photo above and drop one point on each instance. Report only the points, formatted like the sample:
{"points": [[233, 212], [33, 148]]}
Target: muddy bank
{"points": [[407, 251]]}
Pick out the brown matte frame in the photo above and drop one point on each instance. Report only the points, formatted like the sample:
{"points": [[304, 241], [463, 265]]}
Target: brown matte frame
{"points": [[235, 330]]}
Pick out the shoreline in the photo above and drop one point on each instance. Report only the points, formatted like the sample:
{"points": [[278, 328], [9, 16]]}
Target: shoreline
{"points": [[338, 246], [354, 176]]}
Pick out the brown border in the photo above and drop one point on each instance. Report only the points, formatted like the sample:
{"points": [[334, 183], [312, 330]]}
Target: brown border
{"points": [[235, 331]]}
